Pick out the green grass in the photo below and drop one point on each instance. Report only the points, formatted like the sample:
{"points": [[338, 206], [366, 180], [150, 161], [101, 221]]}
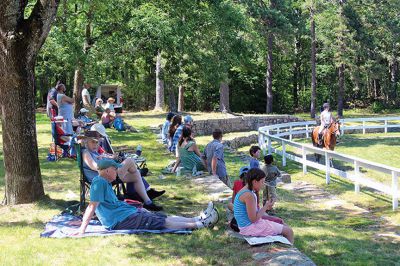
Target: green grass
{"points": [[329, 237]]}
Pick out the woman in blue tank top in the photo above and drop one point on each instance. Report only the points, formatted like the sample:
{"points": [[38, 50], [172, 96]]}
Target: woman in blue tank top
{"points": [[251, 220]]}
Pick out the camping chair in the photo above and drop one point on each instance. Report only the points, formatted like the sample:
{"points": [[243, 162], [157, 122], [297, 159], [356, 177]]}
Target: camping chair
{"points": [[85, 183], [57, 133], [139, 160]]}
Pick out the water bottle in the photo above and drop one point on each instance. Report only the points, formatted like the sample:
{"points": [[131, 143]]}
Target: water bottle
{"points": [[139, 150], [178, 171]]}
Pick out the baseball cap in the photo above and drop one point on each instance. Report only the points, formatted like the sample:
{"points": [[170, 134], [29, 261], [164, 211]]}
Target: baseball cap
{"points": [[105, 163], [243, 170], [187, 119]]}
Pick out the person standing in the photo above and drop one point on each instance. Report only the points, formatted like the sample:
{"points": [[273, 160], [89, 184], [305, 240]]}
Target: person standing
{"points": [[51, 106], [65, 108], [86, 100]]}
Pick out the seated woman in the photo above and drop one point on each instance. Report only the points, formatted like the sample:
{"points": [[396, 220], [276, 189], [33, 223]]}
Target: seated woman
{"points": [[127, 173], [107, 118], [86, 121], [249, 218], [98, 108], [188, 153]]}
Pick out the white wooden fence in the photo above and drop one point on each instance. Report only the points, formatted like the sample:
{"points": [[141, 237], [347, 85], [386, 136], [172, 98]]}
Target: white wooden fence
{"points": [[284, 134]]}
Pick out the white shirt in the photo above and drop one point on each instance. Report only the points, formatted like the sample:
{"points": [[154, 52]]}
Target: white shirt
{"points": [[85, 92], [326, 118]]}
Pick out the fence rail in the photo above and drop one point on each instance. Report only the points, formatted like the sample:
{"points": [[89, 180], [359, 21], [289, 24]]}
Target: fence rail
{"points": [[284, 134]]}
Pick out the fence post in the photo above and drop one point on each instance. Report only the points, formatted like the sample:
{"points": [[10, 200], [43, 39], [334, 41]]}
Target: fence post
{"points": [[304, 160], [327, 168], [269, 144], [290, 133], [278, 130], [385, 126], [307, 135], [363, 127], [395, 192], [357, 176], [342, 127], [261, 142], [283, 153]]}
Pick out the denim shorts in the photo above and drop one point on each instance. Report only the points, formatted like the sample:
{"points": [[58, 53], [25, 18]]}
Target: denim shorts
{"points": [[143, 220]]}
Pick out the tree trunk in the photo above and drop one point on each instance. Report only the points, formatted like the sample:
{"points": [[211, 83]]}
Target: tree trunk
{"points": [[77, 94], [224, 97], [313, 66], [172, 99], [181, 99], [268, 80], [296, 73], [341, 90], [394, 66], [20, 41], [159, 85], [21, 162]]}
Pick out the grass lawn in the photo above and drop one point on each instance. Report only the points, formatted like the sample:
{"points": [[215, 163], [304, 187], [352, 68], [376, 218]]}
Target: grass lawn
{"points": [[329, 237]]}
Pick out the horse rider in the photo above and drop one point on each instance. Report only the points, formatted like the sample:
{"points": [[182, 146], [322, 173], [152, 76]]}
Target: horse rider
{"points": [[326, 120]]}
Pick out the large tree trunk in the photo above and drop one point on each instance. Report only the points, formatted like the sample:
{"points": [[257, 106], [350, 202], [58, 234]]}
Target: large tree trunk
{"points": [[159, 85], [313, 66], [268, 80], [341, 90], [181, 98], [77, 94], [224, 97], [172, 99], [20, 41]]}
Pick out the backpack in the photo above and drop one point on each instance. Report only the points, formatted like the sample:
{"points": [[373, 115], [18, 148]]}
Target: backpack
{"points": [[119, 124]]}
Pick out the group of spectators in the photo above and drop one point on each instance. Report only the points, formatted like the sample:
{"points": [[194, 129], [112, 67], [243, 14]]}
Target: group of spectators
{"points": [[249, 218], [60, 107], [178, 135]]}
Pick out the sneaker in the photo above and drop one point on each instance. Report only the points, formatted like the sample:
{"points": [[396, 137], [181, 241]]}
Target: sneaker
{"points": [[207, 212], [211, 220], [152, 207]]}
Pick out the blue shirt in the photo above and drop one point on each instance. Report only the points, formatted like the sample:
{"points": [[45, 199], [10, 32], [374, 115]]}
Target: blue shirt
{"points": [[164, 131], [215, 149], [110, 210], [254, 163], [175, 138]]}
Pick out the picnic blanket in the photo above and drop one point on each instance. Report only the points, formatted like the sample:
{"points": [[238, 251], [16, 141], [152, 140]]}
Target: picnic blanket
{"points": [[61, 226]]}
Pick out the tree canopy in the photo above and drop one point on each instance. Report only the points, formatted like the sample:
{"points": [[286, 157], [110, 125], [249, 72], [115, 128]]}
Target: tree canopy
{"points": [[203, 43]]}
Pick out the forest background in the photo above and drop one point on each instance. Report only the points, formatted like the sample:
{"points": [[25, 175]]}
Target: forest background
{"points": [[242, 56]]}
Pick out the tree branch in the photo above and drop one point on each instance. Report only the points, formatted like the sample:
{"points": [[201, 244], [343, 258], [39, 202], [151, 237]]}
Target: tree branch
{"points": [[39, 23]]}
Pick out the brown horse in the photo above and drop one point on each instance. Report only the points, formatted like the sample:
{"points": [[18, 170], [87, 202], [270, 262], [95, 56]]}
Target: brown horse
{"points": [[329, 138]]}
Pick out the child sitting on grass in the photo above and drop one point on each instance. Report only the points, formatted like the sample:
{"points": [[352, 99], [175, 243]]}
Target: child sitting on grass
{"points": [[250, 219], [272, 173], [255, 154]]}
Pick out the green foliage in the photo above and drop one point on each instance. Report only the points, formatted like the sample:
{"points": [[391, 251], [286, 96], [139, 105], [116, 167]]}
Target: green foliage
{"points": [[204, 43]]}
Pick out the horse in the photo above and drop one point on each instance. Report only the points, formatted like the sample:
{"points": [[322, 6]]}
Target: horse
{"points": [[332, 132]]}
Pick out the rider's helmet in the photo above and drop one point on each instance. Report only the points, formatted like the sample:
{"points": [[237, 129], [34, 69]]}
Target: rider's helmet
{"points": [[325, 106]]}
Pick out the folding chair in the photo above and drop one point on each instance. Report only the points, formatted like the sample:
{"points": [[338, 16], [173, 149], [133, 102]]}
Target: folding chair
{"points": [[85, 183], [57, 133]]}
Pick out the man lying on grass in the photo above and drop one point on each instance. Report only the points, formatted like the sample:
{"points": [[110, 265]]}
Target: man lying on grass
{"points": [[118, 215]]}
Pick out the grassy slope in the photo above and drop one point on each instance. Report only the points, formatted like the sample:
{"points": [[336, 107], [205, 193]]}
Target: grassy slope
{"points": [[328, 237]]}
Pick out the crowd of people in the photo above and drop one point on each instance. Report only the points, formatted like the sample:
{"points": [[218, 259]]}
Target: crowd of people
{"points": [[101, 167]]}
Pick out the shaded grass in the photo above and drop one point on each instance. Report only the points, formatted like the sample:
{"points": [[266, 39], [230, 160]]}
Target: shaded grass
{"points": [[329, 237]]}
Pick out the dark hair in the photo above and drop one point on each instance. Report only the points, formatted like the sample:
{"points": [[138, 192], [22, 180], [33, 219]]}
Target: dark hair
{"points": [[176, 121], [186, 133], [59, 84], [217, 133], [268, 159], [254, 174], [254, 149], [170, 115]]}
